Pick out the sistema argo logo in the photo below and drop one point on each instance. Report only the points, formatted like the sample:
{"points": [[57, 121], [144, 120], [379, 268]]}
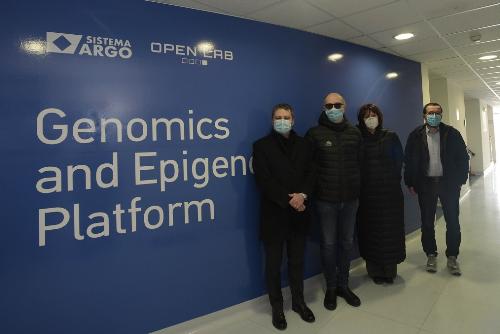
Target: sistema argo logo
{"points": [[94, 46]]}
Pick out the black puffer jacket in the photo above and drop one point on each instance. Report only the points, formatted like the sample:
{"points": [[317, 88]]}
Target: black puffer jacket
{"points": [[454, 157], [337, 151], [381, 230]]}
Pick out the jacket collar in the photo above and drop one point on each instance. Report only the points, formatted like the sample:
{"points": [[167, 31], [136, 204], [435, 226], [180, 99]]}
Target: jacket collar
{"points": [[278, 136], [443, 127], [286, 145], [367, 135]]}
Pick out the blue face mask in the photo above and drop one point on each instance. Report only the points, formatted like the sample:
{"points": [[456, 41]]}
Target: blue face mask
{"points": [[433, 119], [282, 126], [335, 115]]}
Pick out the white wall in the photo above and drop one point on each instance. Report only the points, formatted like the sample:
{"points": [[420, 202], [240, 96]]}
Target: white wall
{"points": [[472, 110], [456, 108], [491, 128], [496, 124], [451, 97], [485, 135], [438, 91], [478, 134], [426, 94]]}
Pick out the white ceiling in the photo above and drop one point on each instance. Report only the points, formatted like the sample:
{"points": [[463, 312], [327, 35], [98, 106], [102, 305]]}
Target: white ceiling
{"points": [[442, 29]]}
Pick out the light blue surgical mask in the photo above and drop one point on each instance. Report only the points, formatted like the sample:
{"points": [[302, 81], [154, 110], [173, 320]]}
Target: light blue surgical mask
{"points": [[433, 119], [335, 115], [282, 126]]}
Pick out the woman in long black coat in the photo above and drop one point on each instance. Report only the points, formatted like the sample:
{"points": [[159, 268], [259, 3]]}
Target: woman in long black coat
{"points": [[381, 231]]}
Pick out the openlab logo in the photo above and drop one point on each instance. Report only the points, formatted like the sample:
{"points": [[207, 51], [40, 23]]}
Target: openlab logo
{"points": [[62, 43], [95, 46], [200, 54]]}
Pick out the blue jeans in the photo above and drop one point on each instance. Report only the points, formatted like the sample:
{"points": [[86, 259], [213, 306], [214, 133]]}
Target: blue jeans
{"points": [[337, 222]]}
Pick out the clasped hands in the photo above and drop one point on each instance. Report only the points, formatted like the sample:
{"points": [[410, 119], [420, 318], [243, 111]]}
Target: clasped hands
{"points": [[297, 202]]}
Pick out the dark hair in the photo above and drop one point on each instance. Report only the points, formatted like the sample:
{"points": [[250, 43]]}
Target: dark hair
{"points": [[433, 104], [365, 109], [285, 106]]}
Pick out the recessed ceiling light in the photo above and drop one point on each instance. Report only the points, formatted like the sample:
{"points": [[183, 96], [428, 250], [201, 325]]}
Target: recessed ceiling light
{"points": [[335, 56], [488, 57], [406, 35], [391, 75]]}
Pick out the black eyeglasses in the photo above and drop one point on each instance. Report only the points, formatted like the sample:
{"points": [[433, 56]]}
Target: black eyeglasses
{"points": [[331, 105]]}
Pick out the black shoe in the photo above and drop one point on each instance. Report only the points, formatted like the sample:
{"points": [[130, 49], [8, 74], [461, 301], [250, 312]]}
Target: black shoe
{"points": [[304, 312], [330, 301], [389, 280], [378, 280], [349, 296], [279, 320]]}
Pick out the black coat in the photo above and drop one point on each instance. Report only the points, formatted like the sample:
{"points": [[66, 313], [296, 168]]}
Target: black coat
{"points": [[381, 230], [283, 166], [454, 157], [337, 155]]}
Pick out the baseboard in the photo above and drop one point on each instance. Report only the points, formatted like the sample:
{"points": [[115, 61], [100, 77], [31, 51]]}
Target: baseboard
{"points": [[489, 169], [485, 172]]}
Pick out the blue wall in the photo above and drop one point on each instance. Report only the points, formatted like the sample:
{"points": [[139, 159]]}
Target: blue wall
{"points": [[156, 276]]}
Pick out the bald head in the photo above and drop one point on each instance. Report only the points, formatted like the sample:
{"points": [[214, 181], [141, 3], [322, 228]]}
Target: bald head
{"points": [[334, 98]]}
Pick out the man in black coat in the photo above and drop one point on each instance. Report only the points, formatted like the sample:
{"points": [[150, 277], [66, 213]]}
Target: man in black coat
{"points": [[338, 152], [436, 165], [284, 172]]}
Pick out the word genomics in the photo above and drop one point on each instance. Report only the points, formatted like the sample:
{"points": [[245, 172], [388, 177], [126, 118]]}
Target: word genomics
{"points": [[51, 130]]}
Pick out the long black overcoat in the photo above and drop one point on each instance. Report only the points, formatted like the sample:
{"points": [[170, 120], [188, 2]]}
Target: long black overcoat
{"points": [[381, 229], [283, 166]]}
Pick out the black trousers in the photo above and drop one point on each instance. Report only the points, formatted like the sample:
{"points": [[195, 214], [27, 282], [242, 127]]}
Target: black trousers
{"points": [[427, 198], [274, 253], [381, 270]]}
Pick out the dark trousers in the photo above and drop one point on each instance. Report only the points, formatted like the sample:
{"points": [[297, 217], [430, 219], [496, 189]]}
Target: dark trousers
{"points": [[449, 196], [337, 222], [274, 253], [381, 270]]}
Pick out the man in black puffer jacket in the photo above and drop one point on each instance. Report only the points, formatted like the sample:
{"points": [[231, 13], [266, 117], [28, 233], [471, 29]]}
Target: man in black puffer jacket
{"points": [[436, 165], [337, 154]]}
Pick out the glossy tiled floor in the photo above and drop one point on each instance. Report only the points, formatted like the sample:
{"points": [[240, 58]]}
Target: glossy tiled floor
{"points": [[418, 302]]}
